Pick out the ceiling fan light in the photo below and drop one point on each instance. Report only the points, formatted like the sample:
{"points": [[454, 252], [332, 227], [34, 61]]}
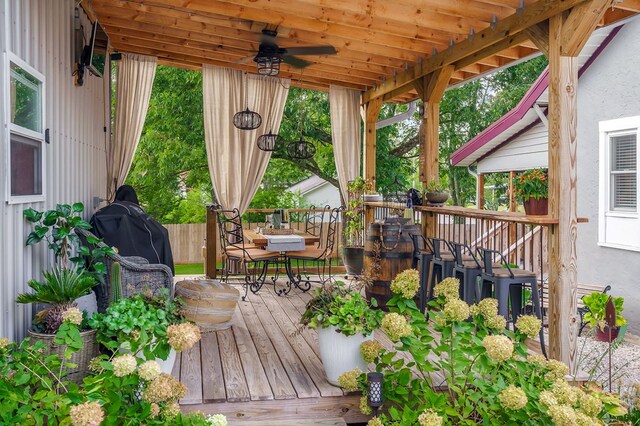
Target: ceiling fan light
{"points": [[247, 120], [268, 65], [269, 142]]}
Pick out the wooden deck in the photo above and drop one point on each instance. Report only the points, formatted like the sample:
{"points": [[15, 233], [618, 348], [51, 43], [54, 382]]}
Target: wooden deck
{"points": [[260, 370]]}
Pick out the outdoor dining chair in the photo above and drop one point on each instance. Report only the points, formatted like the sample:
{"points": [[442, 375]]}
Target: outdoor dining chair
{"points": [[314, 222], [253, 261], [318, 257]]}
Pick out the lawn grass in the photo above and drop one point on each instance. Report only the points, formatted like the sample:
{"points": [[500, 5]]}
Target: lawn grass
{"points": [[190, 269]]}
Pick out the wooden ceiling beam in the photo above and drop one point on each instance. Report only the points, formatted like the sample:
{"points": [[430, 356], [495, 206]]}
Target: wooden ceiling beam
{"points": [[342, 37], [533, 14], [343, 76], [579, 25], [628, 5]]}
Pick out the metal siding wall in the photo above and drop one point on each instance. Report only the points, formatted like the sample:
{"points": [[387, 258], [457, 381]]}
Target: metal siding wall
{"points": [[41, 33]]}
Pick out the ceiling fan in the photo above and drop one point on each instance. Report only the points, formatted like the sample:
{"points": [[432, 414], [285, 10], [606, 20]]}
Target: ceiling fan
{"points": [[270, 55]]}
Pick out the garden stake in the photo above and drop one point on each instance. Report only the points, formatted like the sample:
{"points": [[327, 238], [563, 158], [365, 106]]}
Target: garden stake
{"points": [[610, 320]]}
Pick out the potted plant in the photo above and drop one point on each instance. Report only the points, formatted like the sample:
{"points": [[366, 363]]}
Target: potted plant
{"points": [[149, 326], [596, 303], [353, 249], [436, 194], [344, 320], [60, 289], [532, 186]]}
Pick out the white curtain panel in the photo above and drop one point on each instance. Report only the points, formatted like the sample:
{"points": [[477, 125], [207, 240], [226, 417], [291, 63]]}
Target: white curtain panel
{"points": [[134, 80], [236, 165], [345, 132]]}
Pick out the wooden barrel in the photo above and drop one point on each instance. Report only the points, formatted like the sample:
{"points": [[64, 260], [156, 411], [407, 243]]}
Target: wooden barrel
{"points": [[396, 255], [208, 303]]}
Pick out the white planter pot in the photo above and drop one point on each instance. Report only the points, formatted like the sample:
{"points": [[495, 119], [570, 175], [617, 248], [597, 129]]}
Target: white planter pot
{"points": [[88, 303], [167, 365], [340, 353]]}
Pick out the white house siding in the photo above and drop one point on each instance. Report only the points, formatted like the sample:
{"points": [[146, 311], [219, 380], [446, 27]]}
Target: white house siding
{"points": [[527, 151], [40, 32], [610, 89]]}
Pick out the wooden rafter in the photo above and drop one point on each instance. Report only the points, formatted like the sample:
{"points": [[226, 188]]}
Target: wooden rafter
{"points": [[378, 42]]}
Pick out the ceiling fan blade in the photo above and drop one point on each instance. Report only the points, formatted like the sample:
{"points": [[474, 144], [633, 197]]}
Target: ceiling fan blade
{"points": [[295, 62], [310, 50]]}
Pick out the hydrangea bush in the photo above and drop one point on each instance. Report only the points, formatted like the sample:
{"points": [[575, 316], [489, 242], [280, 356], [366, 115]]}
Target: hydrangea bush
{"points": [[468, 369]]}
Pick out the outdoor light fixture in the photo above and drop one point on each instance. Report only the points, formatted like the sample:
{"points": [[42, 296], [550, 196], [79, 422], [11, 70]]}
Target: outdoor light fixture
{"points": [[374, 391], [269, 142], [301, 150], [247, 119], [268, 65]]}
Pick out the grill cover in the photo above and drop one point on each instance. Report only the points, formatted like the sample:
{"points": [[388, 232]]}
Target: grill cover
{"points": [[124, 225]]}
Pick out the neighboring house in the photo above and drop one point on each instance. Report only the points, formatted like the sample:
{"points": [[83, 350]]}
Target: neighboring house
{"points": [[52, 137], [316, 191], [607, 157]]}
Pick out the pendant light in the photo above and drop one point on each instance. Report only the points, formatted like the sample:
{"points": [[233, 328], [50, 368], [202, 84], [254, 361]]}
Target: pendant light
{"points": [[247, 119]]}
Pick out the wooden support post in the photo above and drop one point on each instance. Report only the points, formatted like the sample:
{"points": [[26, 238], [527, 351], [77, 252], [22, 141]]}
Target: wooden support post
{"points": [[371, 118], [211, 243], [431, 88], [563, 85], [480, 192], [513, 200]]}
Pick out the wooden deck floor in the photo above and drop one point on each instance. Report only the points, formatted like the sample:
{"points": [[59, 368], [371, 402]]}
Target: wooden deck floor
{"points": [[259, 369]]}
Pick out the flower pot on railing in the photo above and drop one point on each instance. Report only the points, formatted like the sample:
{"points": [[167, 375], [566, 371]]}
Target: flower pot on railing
{"points": [[436, 198], [536, 207], [603, 335]]}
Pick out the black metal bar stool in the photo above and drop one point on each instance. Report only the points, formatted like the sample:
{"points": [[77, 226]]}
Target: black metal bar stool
{"points": [[423, 253], [468, 269], [507, 285], [442, 263]]}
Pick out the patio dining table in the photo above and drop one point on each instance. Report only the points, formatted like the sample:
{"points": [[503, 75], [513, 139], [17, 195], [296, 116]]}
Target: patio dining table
{"points": [[282, 243]]}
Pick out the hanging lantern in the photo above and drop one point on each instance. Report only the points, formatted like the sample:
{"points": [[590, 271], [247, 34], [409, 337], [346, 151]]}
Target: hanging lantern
{"points": [[247, 120], [301, 150], [268, 65], [269, 142]]}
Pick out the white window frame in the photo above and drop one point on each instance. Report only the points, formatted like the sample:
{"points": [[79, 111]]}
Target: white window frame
{"points": [[10, 57], [607, 129]]}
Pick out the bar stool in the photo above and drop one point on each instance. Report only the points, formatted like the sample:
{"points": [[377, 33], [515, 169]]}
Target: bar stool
{"points": [[467, 270], [423, 253], [442, 263], [507, 284]]}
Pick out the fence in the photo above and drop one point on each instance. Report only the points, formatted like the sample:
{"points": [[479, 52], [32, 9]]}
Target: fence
{"points": [[187, 240]]}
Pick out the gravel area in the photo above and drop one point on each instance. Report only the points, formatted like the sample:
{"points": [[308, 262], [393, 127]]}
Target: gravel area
{"points": [[593, 359]]}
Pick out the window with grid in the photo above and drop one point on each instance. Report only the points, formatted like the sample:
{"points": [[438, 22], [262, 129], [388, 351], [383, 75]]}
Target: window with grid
{"points": [[26, 132], [623, 172]]}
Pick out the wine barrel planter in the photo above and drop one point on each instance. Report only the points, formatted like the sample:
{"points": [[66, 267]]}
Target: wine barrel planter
{"points": [[208, 303], [396, 255]]}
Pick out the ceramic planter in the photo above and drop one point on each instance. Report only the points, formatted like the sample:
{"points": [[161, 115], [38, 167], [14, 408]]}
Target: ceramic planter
{"points": [[436, 198], [603, 335], [536, 207], [340, 353]]}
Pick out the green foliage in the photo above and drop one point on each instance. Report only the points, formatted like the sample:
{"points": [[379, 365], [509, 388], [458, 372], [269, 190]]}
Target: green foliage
{"points": [[61, 286], [596, 302], [354, 212], [138, 323], [489, 377], [56, 228], [434, 186], [115, 290], [532, 184], [337, 305]]}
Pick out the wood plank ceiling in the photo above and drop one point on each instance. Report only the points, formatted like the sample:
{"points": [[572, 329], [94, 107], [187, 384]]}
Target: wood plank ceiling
{"points": [[375, 39]]}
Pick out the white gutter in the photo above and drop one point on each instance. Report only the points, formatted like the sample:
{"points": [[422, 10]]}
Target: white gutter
{"points": [[397, 118]]}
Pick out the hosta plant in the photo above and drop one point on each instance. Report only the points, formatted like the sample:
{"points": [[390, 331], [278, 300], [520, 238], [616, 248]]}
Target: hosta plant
{"points": [[467, 369]]}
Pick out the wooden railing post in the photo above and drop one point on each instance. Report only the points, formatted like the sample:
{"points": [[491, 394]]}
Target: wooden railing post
{"points": [[211, 243], [480, 192]]}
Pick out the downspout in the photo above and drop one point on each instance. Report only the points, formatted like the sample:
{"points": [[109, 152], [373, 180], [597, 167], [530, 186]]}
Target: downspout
{"points": [[397, 118]]}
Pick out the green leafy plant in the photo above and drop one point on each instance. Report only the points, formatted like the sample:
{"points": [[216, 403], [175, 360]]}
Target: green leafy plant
{"points": [[462, 367], [532, 184], [138, 324], [354, 212], [60, 288], [434, 186], [343, 307], [596, 302]]}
